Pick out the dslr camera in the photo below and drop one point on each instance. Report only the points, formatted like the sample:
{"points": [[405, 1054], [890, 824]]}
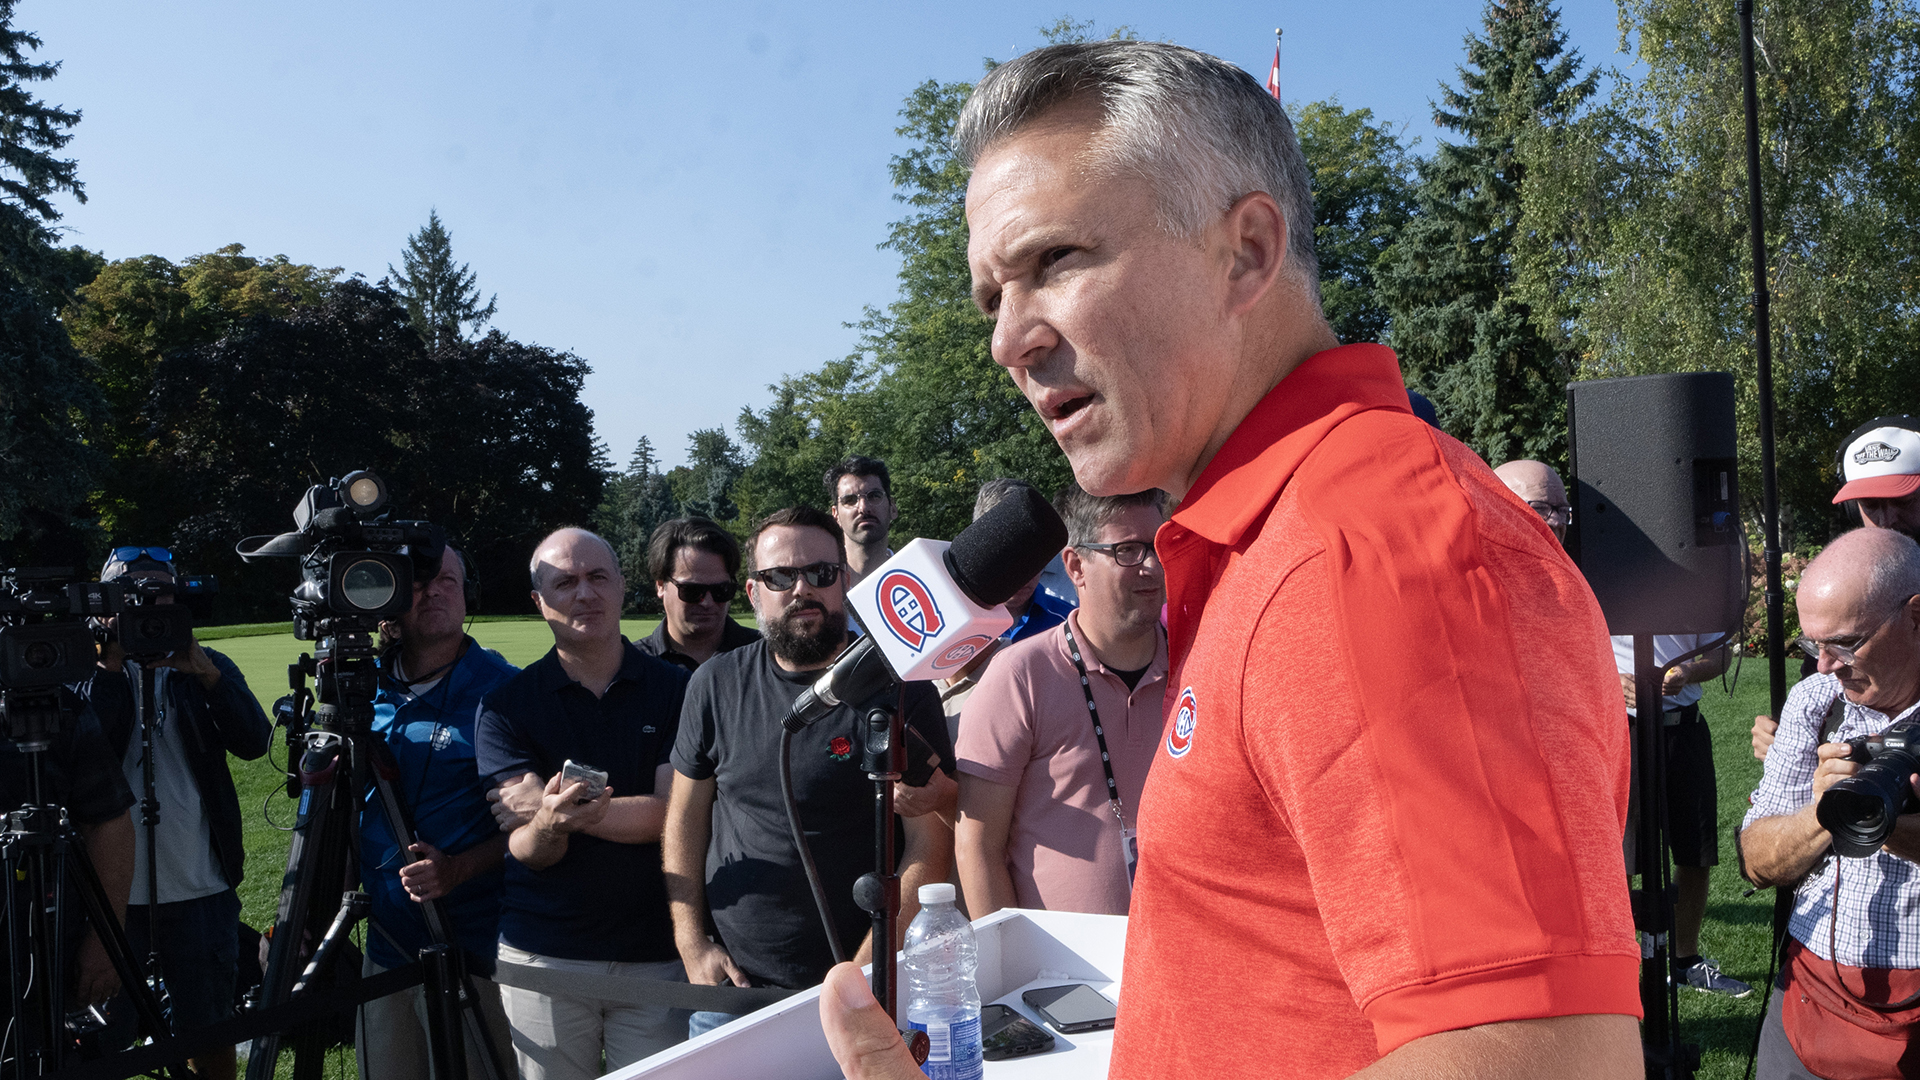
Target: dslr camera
{"points": [[1860, 810], [356, 566]]}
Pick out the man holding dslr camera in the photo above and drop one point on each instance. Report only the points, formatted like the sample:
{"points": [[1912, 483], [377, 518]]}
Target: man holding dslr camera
{"points": [[203, 711]]}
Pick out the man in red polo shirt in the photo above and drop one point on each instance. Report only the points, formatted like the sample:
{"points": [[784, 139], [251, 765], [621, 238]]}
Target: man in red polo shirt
{"points": [[1385, 823]]}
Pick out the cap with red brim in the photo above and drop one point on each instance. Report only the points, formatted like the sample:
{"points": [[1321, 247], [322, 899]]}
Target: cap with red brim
{"points": [[1881, 462]]}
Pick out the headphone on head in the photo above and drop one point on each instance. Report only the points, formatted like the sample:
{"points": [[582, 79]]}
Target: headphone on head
{"points": [[470, 585]]}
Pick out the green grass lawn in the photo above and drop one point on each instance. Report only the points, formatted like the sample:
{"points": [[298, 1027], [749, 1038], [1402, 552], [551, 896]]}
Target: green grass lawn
{"points": [[1736, 931]]}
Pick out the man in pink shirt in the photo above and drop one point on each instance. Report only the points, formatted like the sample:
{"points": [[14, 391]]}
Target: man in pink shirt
{"points": [[1044, 822]]}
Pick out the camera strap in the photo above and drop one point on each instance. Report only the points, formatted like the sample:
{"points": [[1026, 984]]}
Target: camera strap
{"points": [[1099, 733]]}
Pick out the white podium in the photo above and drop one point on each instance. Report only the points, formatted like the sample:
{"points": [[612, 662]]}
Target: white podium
{"points": [[1018, 950]]}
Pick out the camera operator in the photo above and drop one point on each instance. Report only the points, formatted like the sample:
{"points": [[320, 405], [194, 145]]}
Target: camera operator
{"points": [[203, 712], [79, 773], [432, 677], [1859, 609]]}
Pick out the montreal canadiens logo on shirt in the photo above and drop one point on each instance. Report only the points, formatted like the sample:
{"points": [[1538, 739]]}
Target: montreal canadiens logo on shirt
{"points": [[1180, 735], [908, 610]]}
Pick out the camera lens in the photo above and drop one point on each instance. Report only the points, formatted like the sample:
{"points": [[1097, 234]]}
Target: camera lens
{"points": [[368, 585], [40, 655]]}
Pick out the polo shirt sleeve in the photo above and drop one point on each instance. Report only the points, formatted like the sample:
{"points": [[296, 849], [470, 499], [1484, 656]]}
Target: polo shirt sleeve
{"points": [[696, 744], [1458, 783], [500, 749], [996, 723]]}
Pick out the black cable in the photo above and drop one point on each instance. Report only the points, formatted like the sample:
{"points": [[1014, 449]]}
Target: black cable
{"points": [[800, 845]]}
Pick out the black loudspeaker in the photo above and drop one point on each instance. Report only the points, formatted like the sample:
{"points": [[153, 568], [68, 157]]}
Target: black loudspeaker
{"points": [[1656, 505]]}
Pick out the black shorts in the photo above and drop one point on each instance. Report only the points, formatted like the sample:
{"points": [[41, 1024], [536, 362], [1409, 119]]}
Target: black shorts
{"points": [[1693, 802]]}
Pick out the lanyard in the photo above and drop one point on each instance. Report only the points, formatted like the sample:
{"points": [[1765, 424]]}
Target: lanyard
{"points": [[1086, 687]]}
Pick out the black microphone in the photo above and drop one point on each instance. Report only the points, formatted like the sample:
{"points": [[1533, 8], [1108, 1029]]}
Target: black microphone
{"points": [[989, 561]]}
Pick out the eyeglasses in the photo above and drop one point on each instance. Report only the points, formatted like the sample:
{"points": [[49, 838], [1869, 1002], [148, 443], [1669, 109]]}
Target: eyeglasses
{"points": [[1849, 653], [1124, 553], [129, 554], [692, 591], [781, 578], [1551, 514], [853, 499]]}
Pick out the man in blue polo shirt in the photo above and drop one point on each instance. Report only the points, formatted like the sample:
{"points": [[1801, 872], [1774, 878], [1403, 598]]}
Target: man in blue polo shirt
{"points": [[432, 677], [584, 889]]}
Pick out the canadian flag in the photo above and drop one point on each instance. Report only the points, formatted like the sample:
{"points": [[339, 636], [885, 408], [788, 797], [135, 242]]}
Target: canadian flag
{"points": [[1273, 77]]}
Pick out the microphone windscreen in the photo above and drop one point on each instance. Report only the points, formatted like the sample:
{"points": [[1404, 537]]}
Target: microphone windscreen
{"points": [[996, 556]]}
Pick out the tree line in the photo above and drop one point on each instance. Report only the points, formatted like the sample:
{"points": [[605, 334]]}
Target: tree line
{"points": [[1572, 222]]}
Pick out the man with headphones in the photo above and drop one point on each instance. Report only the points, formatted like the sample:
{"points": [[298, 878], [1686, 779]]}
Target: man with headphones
{"points": [[432, 677]]}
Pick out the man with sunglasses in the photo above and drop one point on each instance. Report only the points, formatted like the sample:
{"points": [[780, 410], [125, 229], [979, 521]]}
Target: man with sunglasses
{"points": [[1859, 606], [204, 712], [694, 564], [1055, 744], [742, 910]]}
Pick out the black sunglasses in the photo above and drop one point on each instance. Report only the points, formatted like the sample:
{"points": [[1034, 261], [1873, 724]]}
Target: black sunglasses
{"points": [[692, 591], [781, 578]]}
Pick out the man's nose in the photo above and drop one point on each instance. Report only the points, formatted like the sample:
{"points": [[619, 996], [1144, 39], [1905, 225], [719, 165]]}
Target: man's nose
{"points": [[1022, 336]]}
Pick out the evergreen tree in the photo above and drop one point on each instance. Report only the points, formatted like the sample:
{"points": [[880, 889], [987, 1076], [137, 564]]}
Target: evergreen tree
{"points": [[46, 389], [441, 299], [705, 485], [1464, 336], [637, 501]]}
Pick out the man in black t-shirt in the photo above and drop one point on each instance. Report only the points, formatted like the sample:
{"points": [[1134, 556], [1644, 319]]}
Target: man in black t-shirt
{"points": [[731, 867], [583, 888]]}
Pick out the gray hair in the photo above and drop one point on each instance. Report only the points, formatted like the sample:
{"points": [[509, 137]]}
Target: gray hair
{"points": [[1895, 575], [533, 563], [994, 492], [1086, 514], [1199, 129]]}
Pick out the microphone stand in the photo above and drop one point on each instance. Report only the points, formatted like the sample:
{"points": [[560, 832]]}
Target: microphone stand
{"points": [[883, 756], [145, 708]]}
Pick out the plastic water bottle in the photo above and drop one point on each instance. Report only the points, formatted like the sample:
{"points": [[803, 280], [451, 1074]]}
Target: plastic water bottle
{"points": [[942, 999]]}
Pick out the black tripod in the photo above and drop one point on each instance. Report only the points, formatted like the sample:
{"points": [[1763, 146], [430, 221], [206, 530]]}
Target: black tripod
{"points": [[145, 718], [340, 758], [41, 853]]}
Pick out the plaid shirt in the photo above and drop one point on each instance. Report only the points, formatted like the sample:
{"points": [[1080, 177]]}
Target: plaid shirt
{"points": [[1880, 894]]}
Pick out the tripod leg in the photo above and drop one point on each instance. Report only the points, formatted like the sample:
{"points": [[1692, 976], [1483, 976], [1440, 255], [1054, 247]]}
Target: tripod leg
{"points": [[316, 872]]}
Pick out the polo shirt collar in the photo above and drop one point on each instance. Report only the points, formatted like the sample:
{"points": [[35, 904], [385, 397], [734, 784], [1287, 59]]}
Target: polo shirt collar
{"points": [[554, 677], [1248, 473]]}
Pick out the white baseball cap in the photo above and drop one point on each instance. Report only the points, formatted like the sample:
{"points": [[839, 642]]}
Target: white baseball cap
{"points": [[1881, 460]]}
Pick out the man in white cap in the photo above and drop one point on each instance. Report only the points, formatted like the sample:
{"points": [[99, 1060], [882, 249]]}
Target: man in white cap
{"points": [[1880, 464]]}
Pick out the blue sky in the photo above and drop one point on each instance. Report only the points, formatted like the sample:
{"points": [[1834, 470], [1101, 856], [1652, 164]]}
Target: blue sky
{"points": [[688, 196]]}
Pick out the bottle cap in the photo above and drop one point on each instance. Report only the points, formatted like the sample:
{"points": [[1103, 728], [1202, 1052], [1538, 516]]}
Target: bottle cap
{"points": [[940, 892]]}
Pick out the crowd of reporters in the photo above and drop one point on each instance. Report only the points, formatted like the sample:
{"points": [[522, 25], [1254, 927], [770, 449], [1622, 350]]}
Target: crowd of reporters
{"points": [[678, 866]]}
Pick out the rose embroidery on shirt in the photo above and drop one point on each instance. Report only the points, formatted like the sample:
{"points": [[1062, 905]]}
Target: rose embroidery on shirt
{"points": [[841, 748]]}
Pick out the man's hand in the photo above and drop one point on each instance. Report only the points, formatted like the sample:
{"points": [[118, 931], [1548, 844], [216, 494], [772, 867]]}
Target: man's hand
{"points": [[1763, 728], [938, 796], [709, 964], [193, 661], [433, 876], [861, 1034], [1833, 767], [1675, 680], [97, 981], [1626, 688], [514, 803], [561, 809]]}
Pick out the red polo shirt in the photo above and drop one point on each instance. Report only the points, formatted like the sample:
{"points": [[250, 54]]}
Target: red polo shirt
{"points": [[1393, 786]]}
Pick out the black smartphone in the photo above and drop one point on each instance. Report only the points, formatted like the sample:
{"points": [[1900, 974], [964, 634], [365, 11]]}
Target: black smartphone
{"points": [[1071, 1008], [1005, 1034]]}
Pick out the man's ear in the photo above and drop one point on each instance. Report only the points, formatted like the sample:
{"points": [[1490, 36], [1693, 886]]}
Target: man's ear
{"points": [[1255, 232], [1076, 569]]}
